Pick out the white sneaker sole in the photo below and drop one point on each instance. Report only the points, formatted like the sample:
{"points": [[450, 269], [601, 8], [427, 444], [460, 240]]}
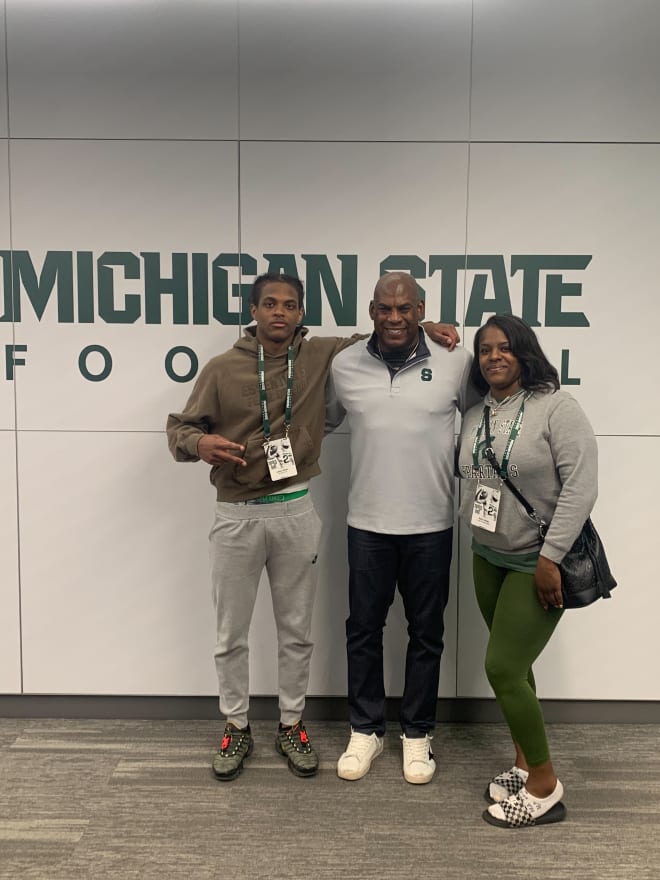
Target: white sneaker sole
{"points": [[353, 775], [418, 780]]}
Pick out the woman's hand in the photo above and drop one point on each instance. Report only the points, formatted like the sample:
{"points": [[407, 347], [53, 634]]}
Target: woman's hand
{"points": [[548, 583]]}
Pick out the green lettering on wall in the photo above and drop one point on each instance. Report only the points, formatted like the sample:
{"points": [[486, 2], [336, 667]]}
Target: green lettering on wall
{"points": [[85, 274], [7, 299], [342, 304], [155, 286], [532, 265], [200, 288], [107, 363], [131, 266], [449, 264], [11, 360], [57, 270], [282, 264], [479, 304], [556, 289], [193, 301], [193, 365], [221, 310], [564, 378]]}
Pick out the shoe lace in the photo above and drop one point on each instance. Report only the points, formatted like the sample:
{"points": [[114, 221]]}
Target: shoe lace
{"points": [[228, 738], [359, 743], [419, 749], [297, 736]]}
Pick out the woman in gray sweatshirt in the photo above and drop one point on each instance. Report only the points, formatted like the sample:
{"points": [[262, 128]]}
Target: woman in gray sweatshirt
{"points": [[544, 443]]}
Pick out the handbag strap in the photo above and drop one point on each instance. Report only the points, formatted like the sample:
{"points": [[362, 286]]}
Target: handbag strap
{"points": [[489, 452]]}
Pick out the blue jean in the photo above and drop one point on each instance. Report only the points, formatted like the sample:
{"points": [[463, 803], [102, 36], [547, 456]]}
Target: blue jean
{"points": [[419, 566]]}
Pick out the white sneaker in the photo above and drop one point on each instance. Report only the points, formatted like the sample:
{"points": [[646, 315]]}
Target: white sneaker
{"points": [[418, 763], [362, 748]]}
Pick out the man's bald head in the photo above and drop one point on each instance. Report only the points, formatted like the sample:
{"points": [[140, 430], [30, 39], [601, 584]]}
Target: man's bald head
{"points": [[396, 282]]}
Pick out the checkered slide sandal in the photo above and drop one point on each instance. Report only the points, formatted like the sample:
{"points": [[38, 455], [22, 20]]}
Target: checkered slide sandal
{"points": [[510, 780], [518, 815]]}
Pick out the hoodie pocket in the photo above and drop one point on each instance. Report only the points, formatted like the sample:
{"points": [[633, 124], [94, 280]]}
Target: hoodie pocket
{"points": [[256, 474]]}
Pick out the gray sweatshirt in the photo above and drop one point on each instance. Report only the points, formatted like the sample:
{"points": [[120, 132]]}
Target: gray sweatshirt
{"points": [[402, 435], [553, 464]]}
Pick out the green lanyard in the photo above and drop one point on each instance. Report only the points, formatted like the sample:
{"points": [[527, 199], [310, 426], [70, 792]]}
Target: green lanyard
{"points": [[261, 372], [515, 430]]}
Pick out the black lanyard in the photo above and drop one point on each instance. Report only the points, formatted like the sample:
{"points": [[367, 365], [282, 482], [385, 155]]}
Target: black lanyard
{"points": [[261, 372]]}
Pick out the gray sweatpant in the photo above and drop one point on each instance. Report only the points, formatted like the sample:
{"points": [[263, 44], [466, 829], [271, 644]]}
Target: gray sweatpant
{"points": [[283, 537]]}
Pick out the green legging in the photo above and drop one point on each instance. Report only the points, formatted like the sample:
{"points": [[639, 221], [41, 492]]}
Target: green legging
{"points": [[519, 630]]}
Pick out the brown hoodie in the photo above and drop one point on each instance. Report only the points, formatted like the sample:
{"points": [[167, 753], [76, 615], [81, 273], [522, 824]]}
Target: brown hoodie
{"points": [[225, 400]]}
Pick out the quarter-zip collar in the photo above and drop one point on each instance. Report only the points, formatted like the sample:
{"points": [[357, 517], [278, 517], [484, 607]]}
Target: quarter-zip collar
{"points": [[421, 353]]}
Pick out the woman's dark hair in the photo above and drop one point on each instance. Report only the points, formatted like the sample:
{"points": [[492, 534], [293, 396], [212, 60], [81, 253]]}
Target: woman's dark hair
{"points": [[536, 371], [263, 280]]}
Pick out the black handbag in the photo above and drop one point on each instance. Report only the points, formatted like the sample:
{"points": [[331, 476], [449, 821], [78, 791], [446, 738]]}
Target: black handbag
{"points": [[585, 571]]}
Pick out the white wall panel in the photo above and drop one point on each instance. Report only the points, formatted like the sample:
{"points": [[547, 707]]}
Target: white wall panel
{"points": [[581, 71], [114, 566], [330, 491], [7, 413], [113, 107], [602, 652], [589, 200], [355, 70], [10, 644], [139, 69], [93, 197], [366, 200], [3, 79]]}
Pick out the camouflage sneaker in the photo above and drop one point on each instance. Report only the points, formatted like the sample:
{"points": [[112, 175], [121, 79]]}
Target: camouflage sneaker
{"points": [[236, 746], [294, 744]]}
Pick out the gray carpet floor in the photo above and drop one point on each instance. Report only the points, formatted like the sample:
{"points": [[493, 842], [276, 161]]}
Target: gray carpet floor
{"points": [[87, 800]]}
